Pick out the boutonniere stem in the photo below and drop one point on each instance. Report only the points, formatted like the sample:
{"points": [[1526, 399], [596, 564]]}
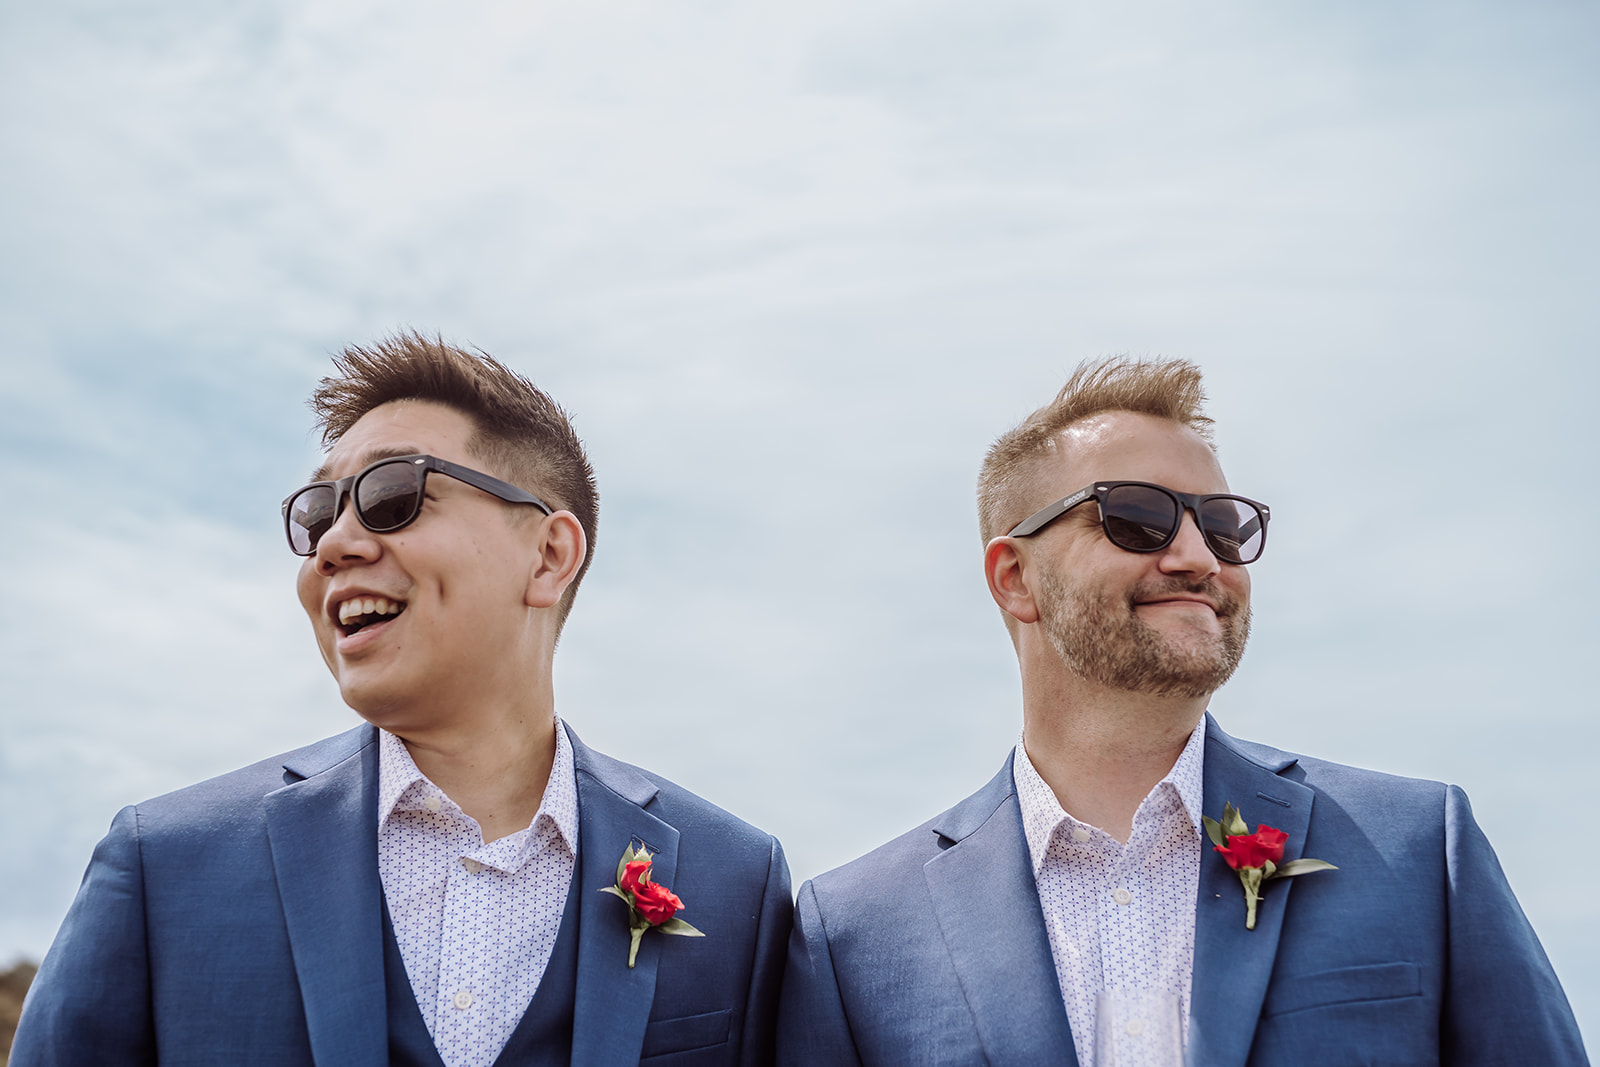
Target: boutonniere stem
{"points": [[1255, 856], [650, 906]]}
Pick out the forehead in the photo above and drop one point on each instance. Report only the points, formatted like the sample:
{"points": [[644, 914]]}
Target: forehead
{"points": [[399, 428], [1125, 446]]}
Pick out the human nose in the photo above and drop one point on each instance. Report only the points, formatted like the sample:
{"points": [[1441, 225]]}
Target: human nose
{"points": [[1188, 552], [346, 542]]}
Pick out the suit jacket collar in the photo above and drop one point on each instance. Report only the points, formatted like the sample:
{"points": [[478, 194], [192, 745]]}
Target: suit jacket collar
{"points": [[613, 1002], [987, 907], [1232, 965], [322, 832]]}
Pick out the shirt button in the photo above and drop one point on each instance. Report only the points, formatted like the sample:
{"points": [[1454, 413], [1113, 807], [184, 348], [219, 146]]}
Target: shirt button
{"points": [[472, 865], [1080, 834], [432, 804], [462, 1000], [1122, 896]]}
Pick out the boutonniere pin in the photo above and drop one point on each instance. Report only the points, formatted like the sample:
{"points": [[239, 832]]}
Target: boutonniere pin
{"points": [[1255, 856], [650, 906]]}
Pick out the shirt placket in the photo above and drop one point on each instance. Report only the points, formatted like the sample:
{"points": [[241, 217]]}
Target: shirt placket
{"points": [[1081, 863], [1121, 912], [1175, 840], [467, 989]]}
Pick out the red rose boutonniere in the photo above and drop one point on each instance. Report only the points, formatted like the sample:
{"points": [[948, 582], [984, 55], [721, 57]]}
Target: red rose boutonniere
{"points": [[1255, 856], [650, 906]]}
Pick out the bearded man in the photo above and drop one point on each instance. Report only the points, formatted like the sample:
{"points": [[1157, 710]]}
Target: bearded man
{"points": [[1076, 900]]}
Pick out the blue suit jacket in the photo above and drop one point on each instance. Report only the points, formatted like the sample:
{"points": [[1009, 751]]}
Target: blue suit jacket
{"points": [[932, 949], [239, 922]]}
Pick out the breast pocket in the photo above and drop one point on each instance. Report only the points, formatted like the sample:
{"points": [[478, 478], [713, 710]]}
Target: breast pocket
{"points": [[1347, 985], [667, 1037]]}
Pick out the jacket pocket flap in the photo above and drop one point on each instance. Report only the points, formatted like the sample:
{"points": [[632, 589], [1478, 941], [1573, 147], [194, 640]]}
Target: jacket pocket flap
{"points": [[662, 1036], [1376, 981]]}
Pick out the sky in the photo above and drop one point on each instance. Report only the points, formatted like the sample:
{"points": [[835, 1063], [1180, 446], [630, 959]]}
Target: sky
{"points": [[792, 267]]}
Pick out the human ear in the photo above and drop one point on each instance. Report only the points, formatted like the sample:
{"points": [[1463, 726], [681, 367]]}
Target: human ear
{"points": [[1008, 582], [561, 552]]}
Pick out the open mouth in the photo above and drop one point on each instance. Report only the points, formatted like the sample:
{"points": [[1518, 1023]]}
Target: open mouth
{"points": [[357, 613]]}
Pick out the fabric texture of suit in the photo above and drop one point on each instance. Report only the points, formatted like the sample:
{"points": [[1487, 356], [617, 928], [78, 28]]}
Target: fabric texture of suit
{"points": [[932, 949], [240, 921]]}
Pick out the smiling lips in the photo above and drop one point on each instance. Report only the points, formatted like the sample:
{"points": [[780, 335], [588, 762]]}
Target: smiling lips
{"points": [[1180, 600], [361, 611]]}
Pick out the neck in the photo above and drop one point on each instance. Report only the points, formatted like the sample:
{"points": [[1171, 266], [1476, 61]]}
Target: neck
{"points": [[1102, 750], [495, 766]]}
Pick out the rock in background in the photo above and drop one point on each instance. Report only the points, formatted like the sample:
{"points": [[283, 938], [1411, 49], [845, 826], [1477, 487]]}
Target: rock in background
{"points": [[13, 987]]}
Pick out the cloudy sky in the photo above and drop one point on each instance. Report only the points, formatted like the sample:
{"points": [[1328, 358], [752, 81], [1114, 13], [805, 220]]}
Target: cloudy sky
{"points": [[792, 267]]}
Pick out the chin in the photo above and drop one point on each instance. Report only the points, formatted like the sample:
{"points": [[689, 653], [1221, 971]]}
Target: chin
{"points": [[378, 704]]}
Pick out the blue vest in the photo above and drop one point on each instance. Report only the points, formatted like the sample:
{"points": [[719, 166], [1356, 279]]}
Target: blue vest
{"points": [[542, 1039]]}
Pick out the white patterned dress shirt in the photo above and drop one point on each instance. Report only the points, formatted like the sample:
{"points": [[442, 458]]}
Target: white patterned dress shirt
{"points": [[475, 922], [1119, 916]]}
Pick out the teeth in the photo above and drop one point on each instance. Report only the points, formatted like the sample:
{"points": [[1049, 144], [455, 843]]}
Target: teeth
{"points": [[358, 606]]}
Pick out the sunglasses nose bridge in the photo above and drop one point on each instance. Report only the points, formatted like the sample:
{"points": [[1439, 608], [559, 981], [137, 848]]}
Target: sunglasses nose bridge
{"points": [[1189, 514], [343, 495]]}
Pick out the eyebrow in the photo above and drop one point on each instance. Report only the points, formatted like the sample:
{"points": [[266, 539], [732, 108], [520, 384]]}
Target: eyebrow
{"points": [[370, 457]]}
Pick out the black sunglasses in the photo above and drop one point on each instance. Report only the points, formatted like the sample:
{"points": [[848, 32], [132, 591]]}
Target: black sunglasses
{"points": [[387, 497], [1142, 517]]}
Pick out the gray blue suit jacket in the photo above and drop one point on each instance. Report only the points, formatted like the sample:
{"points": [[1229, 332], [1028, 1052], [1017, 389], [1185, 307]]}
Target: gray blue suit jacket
{"points": [[240, 922], [932, 949]]}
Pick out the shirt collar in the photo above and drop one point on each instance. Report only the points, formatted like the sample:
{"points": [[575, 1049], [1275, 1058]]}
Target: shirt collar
{"points": [[402, 787], [1042, 813]]}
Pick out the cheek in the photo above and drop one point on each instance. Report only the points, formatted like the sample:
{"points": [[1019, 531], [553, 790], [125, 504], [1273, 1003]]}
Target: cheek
{"points": [[1237, 584], [309, 588]]}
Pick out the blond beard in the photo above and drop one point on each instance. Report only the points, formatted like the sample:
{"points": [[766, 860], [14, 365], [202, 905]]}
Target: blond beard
{"points": [[1102, 639]]}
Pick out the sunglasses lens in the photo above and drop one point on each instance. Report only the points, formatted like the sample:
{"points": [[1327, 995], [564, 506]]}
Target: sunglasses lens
{"points": [[1139, 518], [310, 515], [1234, 529], [389, 496]]}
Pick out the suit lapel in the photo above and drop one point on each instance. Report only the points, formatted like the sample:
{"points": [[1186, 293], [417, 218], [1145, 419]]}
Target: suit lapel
{"points": [[322, 832], [987, 907], [1232, 965], [612, 1003]]}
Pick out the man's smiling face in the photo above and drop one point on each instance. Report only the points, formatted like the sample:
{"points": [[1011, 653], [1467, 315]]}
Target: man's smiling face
{"points": [[415, 622], [1169, 623]]}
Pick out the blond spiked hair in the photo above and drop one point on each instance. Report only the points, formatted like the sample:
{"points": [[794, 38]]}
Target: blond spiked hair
{"points": [[1165, 388]]}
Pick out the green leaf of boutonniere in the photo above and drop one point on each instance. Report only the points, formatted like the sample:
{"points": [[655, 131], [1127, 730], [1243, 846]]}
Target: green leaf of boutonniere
{"points": [[1294, 867], [1233, 824]]}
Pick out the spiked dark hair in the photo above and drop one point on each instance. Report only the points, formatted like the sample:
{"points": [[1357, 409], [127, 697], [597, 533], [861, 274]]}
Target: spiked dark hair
{"points": [[520, 434]]}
